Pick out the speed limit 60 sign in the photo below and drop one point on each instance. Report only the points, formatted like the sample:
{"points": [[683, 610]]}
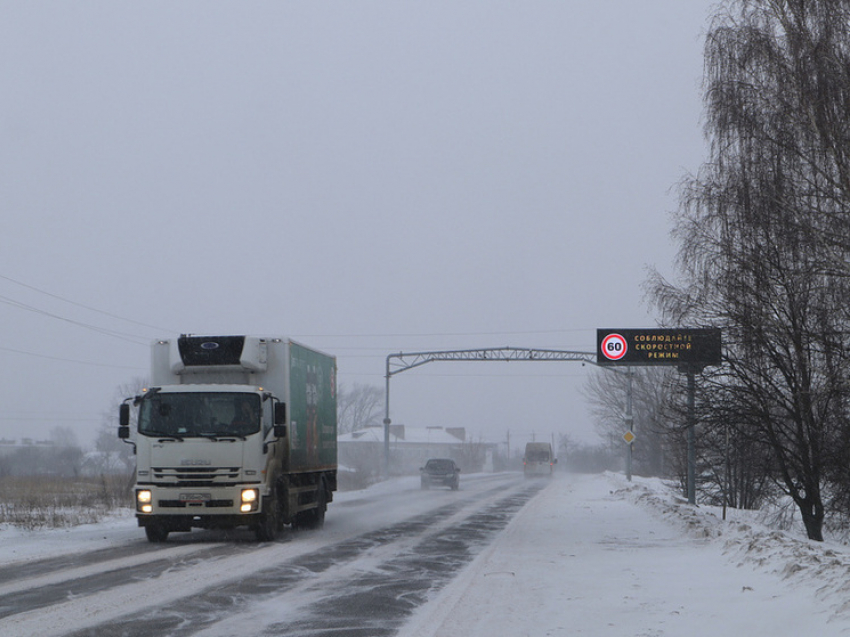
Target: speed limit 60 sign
{"points": [[614, 347], [685, 346]]}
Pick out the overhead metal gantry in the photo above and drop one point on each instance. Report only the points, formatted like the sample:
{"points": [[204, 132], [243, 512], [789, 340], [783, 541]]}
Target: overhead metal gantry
{"points": [[403, 361]]}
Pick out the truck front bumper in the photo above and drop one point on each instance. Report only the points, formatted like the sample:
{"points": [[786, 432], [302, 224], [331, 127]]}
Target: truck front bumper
{"points": [[238, 500]]}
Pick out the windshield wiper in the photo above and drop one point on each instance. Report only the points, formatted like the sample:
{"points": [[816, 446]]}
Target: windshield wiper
{"points": [[222, 437], [168, 437]]}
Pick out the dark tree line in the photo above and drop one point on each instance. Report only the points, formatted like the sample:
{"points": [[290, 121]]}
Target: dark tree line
{"points": [[42, 460], [764, 238]]}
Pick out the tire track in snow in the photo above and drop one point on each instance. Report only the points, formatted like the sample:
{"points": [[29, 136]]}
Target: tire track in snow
{"points": [[377, 603], [384, 574], [153, 579]]}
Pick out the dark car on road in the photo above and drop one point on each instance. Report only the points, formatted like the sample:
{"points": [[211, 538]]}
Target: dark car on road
{"points": [[440, 471]]}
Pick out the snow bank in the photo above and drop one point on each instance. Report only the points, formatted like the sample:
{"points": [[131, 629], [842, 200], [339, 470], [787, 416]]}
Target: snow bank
{"points": [[822, 567]]}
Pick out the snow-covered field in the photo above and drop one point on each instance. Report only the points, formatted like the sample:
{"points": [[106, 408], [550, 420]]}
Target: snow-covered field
{"points": [[596, 555]]}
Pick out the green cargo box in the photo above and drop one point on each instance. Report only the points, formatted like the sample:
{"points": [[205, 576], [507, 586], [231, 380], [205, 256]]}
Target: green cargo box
{"points": [[312, 410]]}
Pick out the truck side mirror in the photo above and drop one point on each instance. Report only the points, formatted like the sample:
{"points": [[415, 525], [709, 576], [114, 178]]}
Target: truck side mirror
{"points": [[124, 415], [279, 414], [279, 431], [123, 432]]}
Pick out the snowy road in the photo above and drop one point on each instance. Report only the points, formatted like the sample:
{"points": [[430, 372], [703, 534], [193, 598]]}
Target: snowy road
{"points": [[578, 555], [377, 559]]}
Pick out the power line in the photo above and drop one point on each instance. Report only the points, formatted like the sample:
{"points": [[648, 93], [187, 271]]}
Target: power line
{"points": [[86, 307], [51, 418], [100, 330], [435, 334], [67, 360]]}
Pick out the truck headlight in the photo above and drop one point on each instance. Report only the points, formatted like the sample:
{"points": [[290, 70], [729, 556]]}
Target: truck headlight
{"points": [[144, 498], [250, 498]]}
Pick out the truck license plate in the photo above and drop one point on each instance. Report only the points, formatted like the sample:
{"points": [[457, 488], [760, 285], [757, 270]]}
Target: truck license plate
{"points": [[195, 497]]}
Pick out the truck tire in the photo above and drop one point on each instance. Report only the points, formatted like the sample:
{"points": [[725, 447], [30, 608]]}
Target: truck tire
{"points": [[269, 523], [156, 532]]}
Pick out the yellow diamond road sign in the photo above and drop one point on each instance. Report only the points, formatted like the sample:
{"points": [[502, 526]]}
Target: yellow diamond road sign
{"points": [[629, 437]]}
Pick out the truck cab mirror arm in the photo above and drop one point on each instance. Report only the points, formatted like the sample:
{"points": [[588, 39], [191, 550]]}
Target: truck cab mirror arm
{"points": [[124, 425]]}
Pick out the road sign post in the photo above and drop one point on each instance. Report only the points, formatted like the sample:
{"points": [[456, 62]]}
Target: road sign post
{"points": [[690, 349], [630, 423], [692, 446]]}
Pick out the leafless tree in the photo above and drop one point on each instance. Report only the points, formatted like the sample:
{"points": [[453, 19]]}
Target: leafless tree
{"points": [[607, 391], [764, 235], [107, 439], [358, 407]]}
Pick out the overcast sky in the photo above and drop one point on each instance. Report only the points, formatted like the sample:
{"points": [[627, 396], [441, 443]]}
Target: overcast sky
{"points": [[365, 177]]}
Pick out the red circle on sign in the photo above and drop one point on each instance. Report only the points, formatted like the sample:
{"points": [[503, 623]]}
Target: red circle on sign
{"points": [[614, 347]]}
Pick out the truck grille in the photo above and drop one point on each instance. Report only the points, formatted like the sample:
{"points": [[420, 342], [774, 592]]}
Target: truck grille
{"points": [[212, 504], [195, 476]]}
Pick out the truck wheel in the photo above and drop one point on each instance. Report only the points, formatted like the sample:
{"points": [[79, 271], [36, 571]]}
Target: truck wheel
{"points": [[269, 522], [156, 533]]}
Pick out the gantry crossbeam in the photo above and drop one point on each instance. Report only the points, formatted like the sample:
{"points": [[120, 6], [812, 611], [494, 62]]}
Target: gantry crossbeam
{"points": [[402, 361], [397, 363]]}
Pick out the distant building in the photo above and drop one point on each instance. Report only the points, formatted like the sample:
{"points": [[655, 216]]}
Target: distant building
{"points": [[410, 447], [9, 447]]}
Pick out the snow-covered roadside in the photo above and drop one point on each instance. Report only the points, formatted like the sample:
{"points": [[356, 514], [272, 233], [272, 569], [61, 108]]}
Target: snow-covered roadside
{"points": [[116, 530], [819, 567], [120, 530], [598, 555]]}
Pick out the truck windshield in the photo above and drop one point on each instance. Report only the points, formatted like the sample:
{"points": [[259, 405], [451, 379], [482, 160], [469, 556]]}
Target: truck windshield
{"points": [[196, 414]]}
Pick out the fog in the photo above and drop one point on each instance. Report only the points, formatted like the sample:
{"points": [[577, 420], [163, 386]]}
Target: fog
{"points": [[367, 178]]}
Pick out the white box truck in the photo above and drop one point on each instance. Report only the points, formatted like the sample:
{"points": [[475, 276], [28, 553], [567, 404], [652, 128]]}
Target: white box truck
{"points": [[234, 431]]}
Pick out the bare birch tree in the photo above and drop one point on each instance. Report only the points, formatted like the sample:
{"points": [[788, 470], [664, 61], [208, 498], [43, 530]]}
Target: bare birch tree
{"points": [[764, 235]]}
